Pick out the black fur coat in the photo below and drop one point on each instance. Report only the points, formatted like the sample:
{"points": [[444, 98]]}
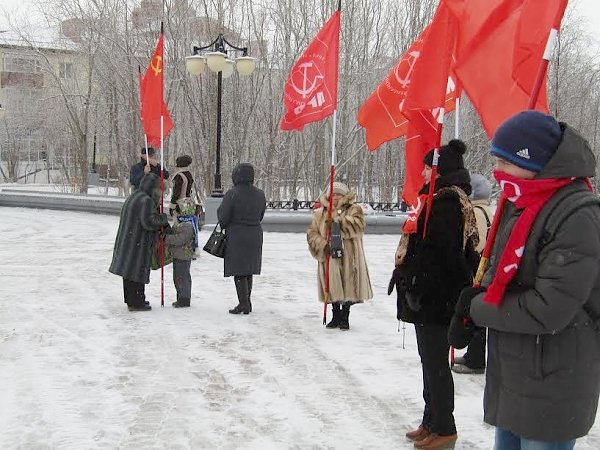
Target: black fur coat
{"points": [[436, 269]]}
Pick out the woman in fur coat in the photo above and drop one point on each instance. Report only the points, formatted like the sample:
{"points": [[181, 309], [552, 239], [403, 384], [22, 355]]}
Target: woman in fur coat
{"points": [[348, 276]]}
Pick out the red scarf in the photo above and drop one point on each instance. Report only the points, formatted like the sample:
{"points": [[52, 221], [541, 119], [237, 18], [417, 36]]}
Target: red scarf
{"points": [[530, 196]]}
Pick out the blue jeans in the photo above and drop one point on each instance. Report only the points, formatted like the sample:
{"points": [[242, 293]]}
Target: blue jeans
{"points": [[505, 440]]}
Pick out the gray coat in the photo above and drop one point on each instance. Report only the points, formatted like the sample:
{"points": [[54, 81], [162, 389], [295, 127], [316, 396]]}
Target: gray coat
{"points": [[543, 372], [240, 215], [181, 241], [137, 230]]}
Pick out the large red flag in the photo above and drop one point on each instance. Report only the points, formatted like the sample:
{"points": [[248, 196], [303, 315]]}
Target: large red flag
{"points": [[497, 64], [385, 114], [152, 101], [428, 85], [310, 92]]}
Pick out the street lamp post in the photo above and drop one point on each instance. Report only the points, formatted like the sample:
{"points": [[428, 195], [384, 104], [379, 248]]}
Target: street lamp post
{"points": [[217, 61]]}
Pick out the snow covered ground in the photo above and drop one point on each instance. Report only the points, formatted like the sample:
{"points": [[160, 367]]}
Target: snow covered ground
{"points": [[78, 371]]}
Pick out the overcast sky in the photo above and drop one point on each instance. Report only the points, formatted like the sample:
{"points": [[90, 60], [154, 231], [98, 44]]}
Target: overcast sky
{"points": [[590, 9]]}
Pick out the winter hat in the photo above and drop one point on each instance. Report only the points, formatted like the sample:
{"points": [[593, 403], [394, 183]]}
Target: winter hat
{"points": [[482, 188], [450, 159], [150, 151], [183, 161], [528, 140], [339, 188], [187, 207]]}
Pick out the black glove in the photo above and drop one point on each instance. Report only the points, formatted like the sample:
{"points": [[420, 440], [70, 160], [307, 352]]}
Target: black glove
{"points": [[462, 328], [396, 278], [460, 332], [413, 295], [463, 305]]}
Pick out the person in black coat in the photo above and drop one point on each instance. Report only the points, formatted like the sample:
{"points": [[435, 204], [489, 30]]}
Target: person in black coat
{"points": [[434, 270], [241, 214], [136, 235], [146, 165]]}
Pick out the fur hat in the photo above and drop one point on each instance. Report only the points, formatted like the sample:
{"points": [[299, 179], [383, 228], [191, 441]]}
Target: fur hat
{"points": [[150, 151], [482, 188], [339, 188], [183, 161], [528, 140], [450, 159]]}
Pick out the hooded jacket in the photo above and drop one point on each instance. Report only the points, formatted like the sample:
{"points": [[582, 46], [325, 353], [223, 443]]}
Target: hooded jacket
{"points": [[241, 214], [543, 370], [138, 225]]}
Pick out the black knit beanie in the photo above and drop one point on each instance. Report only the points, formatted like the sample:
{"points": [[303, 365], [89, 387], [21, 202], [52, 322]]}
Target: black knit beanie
{"points": [[528, 139], [450, 159]]}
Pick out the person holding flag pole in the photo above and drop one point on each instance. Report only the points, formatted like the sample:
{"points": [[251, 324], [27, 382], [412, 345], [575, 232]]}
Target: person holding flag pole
{"points": [[157, 125], [310, 95], [539, 297]]}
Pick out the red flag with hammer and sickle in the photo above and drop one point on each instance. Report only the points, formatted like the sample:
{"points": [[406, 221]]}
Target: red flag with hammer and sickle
{"points": [[310, 93], [153, 104]]}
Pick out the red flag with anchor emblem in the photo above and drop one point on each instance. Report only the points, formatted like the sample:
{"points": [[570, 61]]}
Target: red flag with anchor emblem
{"points": [[152, 100], [310, 93]]}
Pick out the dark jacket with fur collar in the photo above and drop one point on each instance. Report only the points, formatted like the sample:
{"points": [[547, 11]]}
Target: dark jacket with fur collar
{"points": [[138, 225], [435, 269]]}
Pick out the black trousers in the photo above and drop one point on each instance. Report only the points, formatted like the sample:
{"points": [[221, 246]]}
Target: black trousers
{"points": [[438, 385], [475, 355], [134, 293]]}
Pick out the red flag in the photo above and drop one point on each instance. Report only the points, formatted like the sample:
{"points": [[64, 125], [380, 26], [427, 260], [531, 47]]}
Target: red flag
{"points": [[421, 138], [310, 92], [429, 79], [385, 114], [498, 64], [381, 115], [152, 100]]}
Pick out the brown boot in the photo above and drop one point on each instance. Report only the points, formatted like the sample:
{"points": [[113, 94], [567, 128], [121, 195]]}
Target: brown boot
{"points": [[435, 441], [418, 434]]}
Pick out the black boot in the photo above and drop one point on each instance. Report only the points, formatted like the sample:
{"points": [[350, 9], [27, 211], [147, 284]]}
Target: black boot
{"points": [[181, 303], [344, 323], [250, 292], [241, 286], [336, 312]]}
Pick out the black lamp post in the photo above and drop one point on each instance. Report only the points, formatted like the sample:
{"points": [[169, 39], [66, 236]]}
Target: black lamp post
{"points": [[217, 60]]}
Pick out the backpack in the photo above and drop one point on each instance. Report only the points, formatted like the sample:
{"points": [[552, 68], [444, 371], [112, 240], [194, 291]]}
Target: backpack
{"points": [[487, 219], [566, 207]]}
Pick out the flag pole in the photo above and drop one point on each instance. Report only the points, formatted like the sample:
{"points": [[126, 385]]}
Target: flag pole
{"points": [[434, 169], [535, 92], [330, 208], [162, 194], [456, 117], [329, 215]]}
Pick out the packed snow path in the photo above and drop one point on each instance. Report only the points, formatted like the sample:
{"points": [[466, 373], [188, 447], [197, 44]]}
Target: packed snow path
{"points": [[78, 371]]}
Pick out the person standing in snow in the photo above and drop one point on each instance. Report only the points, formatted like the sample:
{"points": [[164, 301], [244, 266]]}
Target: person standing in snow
{"points": [[183, 241], [144, 166], [349, 280], [540, 296], [473, 361], [183, 181], [429, 277], [138, 225], [240, 215]]}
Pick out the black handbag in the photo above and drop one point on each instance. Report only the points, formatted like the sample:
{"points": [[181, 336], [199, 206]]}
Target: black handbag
{"points": [[216, 242]]}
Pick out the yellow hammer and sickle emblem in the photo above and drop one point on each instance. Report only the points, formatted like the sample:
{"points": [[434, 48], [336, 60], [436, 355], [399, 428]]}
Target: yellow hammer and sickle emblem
{"points": [[158, 67]]}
